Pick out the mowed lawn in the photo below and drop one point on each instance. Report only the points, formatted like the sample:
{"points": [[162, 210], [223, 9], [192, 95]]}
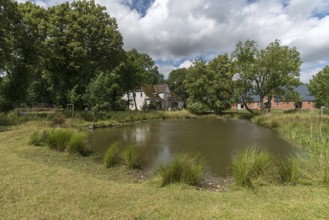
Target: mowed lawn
{"points": [[38, 183]]}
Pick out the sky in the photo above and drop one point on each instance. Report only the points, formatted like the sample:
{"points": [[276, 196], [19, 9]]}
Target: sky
{"points": [[176, 32]]}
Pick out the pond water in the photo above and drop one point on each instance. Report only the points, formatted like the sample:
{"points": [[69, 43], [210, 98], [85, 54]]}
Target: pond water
{"points": [[214, 140]]}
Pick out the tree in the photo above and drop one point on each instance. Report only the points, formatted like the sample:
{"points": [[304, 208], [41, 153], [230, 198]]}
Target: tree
{"points": [[273, 71], [101, 92], [210, 85], [83, 41], [319, 87], [176, 82], [17, 55], [221, 87], [136, 70], [245, 61], [34, 19]]}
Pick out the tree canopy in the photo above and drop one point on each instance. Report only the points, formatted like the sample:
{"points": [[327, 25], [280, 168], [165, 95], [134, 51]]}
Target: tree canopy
{"points": [[319, 87], [272, 71]]}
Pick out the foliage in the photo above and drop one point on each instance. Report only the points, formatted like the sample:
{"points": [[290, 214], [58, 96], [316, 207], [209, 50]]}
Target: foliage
{"points": [[130, 156], [288, 170], [176, 82], [136, 70], [39, 138], [211, 84], [59, 138], [269, 72], [111, 156], [182, 169], [83, 41], [319, 87], [249, 165], [78, 144], [197, 108]]}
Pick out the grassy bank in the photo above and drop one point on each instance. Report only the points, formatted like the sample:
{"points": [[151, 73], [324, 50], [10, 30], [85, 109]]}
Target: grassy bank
{"points": [[308, 131], [39, 183]]}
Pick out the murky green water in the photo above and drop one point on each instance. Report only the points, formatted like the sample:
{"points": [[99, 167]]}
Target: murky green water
{"points": [[215, 140]]}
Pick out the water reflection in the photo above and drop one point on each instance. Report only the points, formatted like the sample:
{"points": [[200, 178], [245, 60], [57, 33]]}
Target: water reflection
{"points": [[213, 140]]}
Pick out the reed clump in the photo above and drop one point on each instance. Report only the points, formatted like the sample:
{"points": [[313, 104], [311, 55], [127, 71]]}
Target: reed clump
{"points": [[112, 156], [131, 157], [249, 165], [62, 140], [288, 170], [182, 169]]}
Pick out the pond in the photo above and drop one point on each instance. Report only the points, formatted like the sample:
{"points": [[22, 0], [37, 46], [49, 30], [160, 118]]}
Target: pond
{"points": [[214, 140]]}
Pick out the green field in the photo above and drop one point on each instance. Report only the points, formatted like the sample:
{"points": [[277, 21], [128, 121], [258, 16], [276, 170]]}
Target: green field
{"points": [[39, 183]]}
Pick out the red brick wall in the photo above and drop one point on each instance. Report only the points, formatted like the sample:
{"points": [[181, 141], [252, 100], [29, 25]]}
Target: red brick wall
{"points": [[280, 105]]}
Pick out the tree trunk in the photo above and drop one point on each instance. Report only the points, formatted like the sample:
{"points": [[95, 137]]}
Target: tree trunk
{"points": [[134, 97], [128, 101], [262, 107], [246, 105]]}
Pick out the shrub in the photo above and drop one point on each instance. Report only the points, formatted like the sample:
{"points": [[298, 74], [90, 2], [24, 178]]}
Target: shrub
{"points": [[59, 119], [288, 170], [197, 108], [59, 138], [112, 156], [39, 139], [78, 145], [251, 163], [182, 169], [130, 156]]}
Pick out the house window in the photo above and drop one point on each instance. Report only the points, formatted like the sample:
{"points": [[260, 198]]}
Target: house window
{"points": [[309, 102], [287, 103], [141, 94], [276, 104], [258, 104]]}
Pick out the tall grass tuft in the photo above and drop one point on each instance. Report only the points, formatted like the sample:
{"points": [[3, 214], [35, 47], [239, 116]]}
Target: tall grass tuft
{"points": [[130, 156], [248, 165], [39, 138], [182, 169], [112, 156], [288, 170], [59, 138], [78, 145]]}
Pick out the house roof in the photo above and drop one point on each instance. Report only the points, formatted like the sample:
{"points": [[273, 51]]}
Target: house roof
{"points": [[161, 88], [150, 92], [304, 93], [175, 98]]}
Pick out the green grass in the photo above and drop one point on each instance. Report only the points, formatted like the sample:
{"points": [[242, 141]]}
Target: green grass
{"points": [[309, 131], [249, 165], [37, 183], [130, 157], [39, 138], [289, 170], [112, 156], [182, 169], [59, 138], [78, 145]]}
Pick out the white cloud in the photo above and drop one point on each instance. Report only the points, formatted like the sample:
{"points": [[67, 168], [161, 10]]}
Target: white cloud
{"points": [[186, 64], [174, 30]]}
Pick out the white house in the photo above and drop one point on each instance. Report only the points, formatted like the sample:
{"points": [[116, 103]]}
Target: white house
{"points": [[156, 97]]}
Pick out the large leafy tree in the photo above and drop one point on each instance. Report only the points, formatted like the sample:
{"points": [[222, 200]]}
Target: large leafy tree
{"points": [[176, 82], [83, 41], [34, 20], [17, 55], [136, 70], [102, 92], [210, 85], [319, 87], [245, 64], [273, 71]]}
